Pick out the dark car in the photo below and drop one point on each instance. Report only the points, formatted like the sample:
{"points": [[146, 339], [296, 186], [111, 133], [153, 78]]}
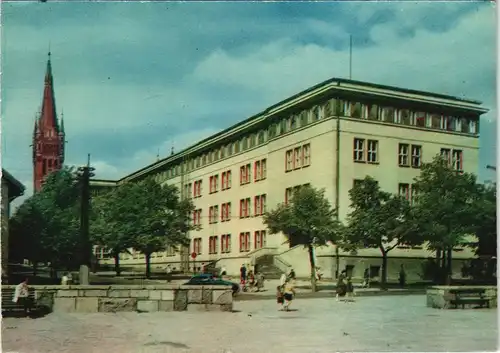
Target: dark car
{"points": [[210, 280]]}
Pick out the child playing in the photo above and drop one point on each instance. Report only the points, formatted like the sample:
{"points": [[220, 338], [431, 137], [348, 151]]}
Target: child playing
{"points": [[279, 297], [350, 289]]}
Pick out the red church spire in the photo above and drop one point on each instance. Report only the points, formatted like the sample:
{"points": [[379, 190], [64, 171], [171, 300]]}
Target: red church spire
{"points": [[48, 116], [48, 136]]}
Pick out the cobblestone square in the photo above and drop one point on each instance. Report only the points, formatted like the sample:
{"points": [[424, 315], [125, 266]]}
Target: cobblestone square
{"points": [[394, 323]]}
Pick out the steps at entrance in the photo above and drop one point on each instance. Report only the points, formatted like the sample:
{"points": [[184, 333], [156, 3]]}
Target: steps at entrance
{"points": [[265, 265]]}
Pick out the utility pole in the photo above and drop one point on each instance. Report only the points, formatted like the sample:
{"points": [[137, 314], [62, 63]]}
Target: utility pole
{"points": [[84, 174]]}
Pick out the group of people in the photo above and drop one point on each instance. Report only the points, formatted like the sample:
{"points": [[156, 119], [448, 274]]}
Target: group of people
{"points": [[251, 281]]}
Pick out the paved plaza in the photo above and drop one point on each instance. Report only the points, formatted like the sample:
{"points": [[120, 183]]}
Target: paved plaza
{"points": [[395, 323]]}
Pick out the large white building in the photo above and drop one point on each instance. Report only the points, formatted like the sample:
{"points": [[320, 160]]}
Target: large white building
{"points": [[329, 136]]}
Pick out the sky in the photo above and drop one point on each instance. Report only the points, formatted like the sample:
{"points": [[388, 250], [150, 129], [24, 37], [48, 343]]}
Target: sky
{"points": [[135, 79]]}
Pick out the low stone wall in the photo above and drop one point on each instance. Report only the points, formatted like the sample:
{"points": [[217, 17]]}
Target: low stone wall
{"points": [[141, 298], [439, 296]]}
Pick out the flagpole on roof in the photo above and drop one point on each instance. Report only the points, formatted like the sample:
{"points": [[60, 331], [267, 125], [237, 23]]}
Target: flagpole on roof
{"points": [[350, 57]]}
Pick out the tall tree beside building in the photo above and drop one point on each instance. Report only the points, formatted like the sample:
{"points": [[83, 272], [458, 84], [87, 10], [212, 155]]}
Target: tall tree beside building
{"points": [[378, 220], [446, 208], [50, 219], [110, 226], [307, 219], [145, 216]]}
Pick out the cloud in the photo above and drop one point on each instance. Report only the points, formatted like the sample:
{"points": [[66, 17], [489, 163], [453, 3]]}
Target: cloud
{"points": [[135, 78]]}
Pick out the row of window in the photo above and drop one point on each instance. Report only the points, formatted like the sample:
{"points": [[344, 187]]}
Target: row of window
{"points": [[298, 157], [224, 246], [333, 107], [409, 155], [260, 173], [259, 208]]}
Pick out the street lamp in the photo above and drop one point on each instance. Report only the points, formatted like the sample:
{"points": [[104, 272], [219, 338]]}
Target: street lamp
{"points": [[491, 167], [84, 173]]}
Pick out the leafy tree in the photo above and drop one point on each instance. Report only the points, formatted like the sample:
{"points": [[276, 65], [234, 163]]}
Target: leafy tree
{"points": [[378, 220], [50, 221], [25, 227], [146, 216], [308, 219], [110, 224], [486, 222], [446, 208]]}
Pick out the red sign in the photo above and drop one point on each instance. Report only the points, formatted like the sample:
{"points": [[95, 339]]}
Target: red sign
{"points": [[193, 255]]}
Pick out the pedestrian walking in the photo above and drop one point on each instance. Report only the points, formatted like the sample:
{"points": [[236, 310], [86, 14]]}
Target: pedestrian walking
{"points": [[243, 277], [21, 296], [168, 271], [279, 297], [341, 288], [288, 294]]}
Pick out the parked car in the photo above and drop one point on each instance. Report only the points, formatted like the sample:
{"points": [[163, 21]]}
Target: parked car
{"points": [[206, 279]]}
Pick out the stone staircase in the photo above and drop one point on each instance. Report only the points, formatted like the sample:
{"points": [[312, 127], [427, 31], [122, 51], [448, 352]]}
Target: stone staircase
{"points": [[265, 265]]}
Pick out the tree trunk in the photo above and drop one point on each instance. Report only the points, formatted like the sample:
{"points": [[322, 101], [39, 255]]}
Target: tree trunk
{"points": [[148, 265], [448, 265], [117, 264], [313, 268], [383, 279]]}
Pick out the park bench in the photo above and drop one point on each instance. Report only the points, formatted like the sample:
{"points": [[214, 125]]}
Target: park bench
{"points": [[469, 296], [9, 306]]}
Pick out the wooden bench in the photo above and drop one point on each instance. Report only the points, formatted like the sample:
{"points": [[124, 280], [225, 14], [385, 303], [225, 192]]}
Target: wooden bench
{"points": [[9, 306], [469, 296]]}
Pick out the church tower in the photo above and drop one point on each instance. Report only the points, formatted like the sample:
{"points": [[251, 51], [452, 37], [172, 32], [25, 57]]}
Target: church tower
{"points": [[48, 135]]}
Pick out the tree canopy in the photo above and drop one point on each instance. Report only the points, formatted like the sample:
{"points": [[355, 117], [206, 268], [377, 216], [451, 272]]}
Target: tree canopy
{"points": [[144, 215], [49, 221], [308, 219], [378, 220]]}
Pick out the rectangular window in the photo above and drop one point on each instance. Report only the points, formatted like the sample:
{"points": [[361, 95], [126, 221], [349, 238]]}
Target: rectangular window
{"points": [[373, 112], [197, 188], [420, 119], [226, 180], [197, 246], [359, 150], [225, 212], [404, 190], [245, 208], [197, 217], [416, 156], [213, 214], [457, 160], [405, 117], [245, 174], [214, 183], [306, 155], [356, 110], [403, 158], [213, 243], [225, 243], [388, 114], [259, 205], [260, 239], [446, 155], [244, 241], [464, 126], [260, 170], [436, 121], [372, 151], [187, 190], [289, 161], [450, 123], [288, 195]]}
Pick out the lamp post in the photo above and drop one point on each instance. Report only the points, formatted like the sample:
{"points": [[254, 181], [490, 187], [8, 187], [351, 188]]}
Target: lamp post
{"points": [[491, 167], [84, 173]]}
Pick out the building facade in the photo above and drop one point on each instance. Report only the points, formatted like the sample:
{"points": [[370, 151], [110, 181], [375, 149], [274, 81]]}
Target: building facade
{"points": [[11, 189], [329, 136], [48, 135]]}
